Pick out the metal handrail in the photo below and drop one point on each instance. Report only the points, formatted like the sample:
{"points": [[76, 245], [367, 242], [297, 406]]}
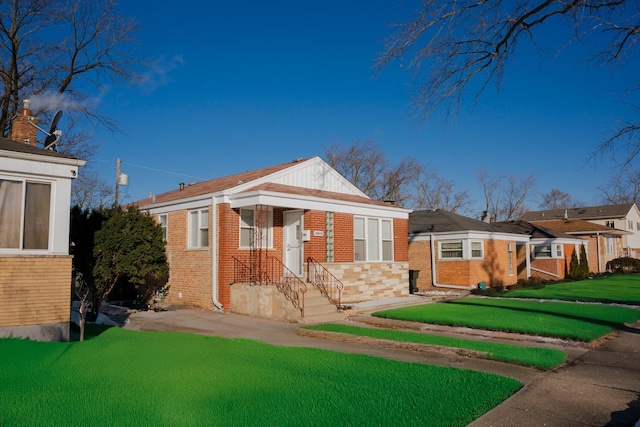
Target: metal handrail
{"points": [[328, 284], [271, 271]]}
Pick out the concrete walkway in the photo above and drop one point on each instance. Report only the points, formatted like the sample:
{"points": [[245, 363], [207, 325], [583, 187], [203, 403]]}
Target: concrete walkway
{"points": [[596, 387]]}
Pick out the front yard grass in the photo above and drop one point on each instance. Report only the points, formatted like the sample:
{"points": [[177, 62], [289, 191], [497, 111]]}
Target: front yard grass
{"points": [[123, 377], [619, 288], [583, 322], [543, 358]]}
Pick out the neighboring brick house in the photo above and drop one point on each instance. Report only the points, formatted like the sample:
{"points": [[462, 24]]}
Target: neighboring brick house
{"points": [[604, 243], [451, 251], [549, 251], [624, 217], [35, 265], [220, 232]]}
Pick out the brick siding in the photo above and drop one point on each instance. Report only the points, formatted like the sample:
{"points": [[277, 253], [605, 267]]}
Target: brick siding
{"points": [[35, 290]]}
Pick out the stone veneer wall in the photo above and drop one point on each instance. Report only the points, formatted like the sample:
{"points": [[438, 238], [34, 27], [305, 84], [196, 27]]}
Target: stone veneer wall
{"points": [[371, 281]]}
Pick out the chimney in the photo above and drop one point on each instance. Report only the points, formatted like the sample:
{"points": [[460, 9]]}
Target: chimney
{"points": [[181, 186], [485, 217], [23, 127]]}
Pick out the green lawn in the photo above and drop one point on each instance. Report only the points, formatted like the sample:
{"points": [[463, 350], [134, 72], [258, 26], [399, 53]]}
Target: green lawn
{"points": [[124, 377], [543, 358], [619, 288], [583, 322]]}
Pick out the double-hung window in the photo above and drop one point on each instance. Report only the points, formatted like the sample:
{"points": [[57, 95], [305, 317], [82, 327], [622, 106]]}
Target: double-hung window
{"points": [[477, 251], [548, 251], [25, 213], [451, 250], [199, 228], [256, 228], [372, 239], [162, 220]]}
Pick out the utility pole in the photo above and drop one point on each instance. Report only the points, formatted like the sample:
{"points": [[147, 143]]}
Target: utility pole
{"points": [[115, 203]]}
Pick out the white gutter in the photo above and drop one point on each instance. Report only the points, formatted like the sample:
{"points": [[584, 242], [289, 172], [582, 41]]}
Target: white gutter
{"points": [[214, 255], [433, 271]]}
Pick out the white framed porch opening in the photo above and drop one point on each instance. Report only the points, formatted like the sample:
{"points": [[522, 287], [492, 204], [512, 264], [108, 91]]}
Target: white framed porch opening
{"points": [[293, 247]]}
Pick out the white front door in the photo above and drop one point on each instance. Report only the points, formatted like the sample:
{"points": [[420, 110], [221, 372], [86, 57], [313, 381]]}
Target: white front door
{"points": [[293, 248]]}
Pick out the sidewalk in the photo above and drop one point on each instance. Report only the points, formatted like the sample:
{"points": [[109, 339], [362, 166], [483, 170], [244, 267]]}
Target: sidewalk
{"points": [[597, 387]]}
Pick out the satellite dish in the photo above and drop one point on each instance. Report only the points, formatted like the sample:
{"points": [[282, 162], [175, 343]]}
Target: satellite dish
{"points": [[54, 134]]}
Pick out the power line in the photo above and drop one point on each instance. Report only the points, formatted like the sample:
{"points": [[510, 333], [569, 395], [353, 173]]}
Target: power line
{"points": [[164, 171]]}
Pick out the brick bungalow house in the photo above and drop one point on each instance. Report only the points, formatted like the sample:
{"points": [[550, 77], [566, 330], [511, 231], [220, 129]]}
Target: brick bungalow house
{"points": [[297, 225], [625, 217], [549, 251], [35, 266], [603, 243], [452, 251]]}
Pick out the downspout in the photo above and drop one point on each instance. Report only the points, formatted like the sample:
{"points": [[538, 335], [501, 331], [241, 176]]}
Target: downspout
{"points": [[546, 272], [434, 275], [599, 253], [214, 255]]}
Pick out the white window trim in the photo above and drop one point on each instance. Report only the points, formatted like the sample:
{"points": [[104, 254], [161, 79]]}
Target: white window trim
{"points": [[52, 200], [380, 248], [198, 244], [466, 248], [554, 251], [253, 228]]}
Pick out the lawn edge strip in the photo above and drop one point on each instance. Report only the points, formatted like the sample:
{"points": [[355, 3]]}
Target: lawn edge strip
{"points": [[398, 345], [383, 322]]}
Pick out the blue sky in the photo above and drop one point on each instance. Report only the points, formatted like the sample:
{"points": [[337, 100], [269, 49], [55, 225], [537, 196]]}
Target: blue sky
{"points": [[237, 86]]}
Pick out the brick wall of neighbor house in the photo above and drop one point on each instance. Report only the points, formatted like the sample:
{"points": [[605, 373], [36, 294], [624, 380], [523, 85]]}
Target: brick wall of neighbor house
{"points": [[400, 242], [556, 266], [190, 269], [35, 292], [343, 248], [493, 269], [371, 281], [317, 246], [420, 259]]}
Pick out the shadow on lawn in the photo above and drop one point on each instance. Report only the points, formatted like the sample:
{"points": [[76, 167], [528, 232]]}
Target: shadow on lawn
{"points": [[614, 325]]}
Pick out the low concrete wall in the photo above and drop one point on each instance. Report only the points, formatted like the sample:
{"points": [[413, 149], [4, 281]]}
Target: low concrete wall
{"points": [[53, 332], [262, 301], [371, 281]]}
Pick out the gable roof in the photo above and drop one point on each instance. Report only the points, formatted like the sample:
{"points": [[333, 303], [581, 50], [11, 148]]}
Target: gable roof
{"points": [[579, 226], [439, 221], [299, 184], [590, 212], [536, 231], [216, 185]]}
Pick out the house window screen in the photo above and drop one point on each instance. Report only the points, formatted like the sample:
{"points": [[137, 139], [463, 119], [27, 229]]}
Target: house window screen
{"points": [[10, 214], [24, 217], [387, 241], [162, 220], [372, 240], [36, 215], [246, 228], [199, 228], [476, 250], [451, 249], [359, 239]]}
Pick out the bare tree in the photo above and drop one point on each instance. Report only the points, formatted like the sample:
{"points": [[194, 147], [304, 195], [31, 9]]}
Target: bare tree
{"points": [[55, 51], [90, 192], [433, 191], [621, 188], [362, 163], [506, 195], [556, 199], [460, 45], [366, 166]]}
